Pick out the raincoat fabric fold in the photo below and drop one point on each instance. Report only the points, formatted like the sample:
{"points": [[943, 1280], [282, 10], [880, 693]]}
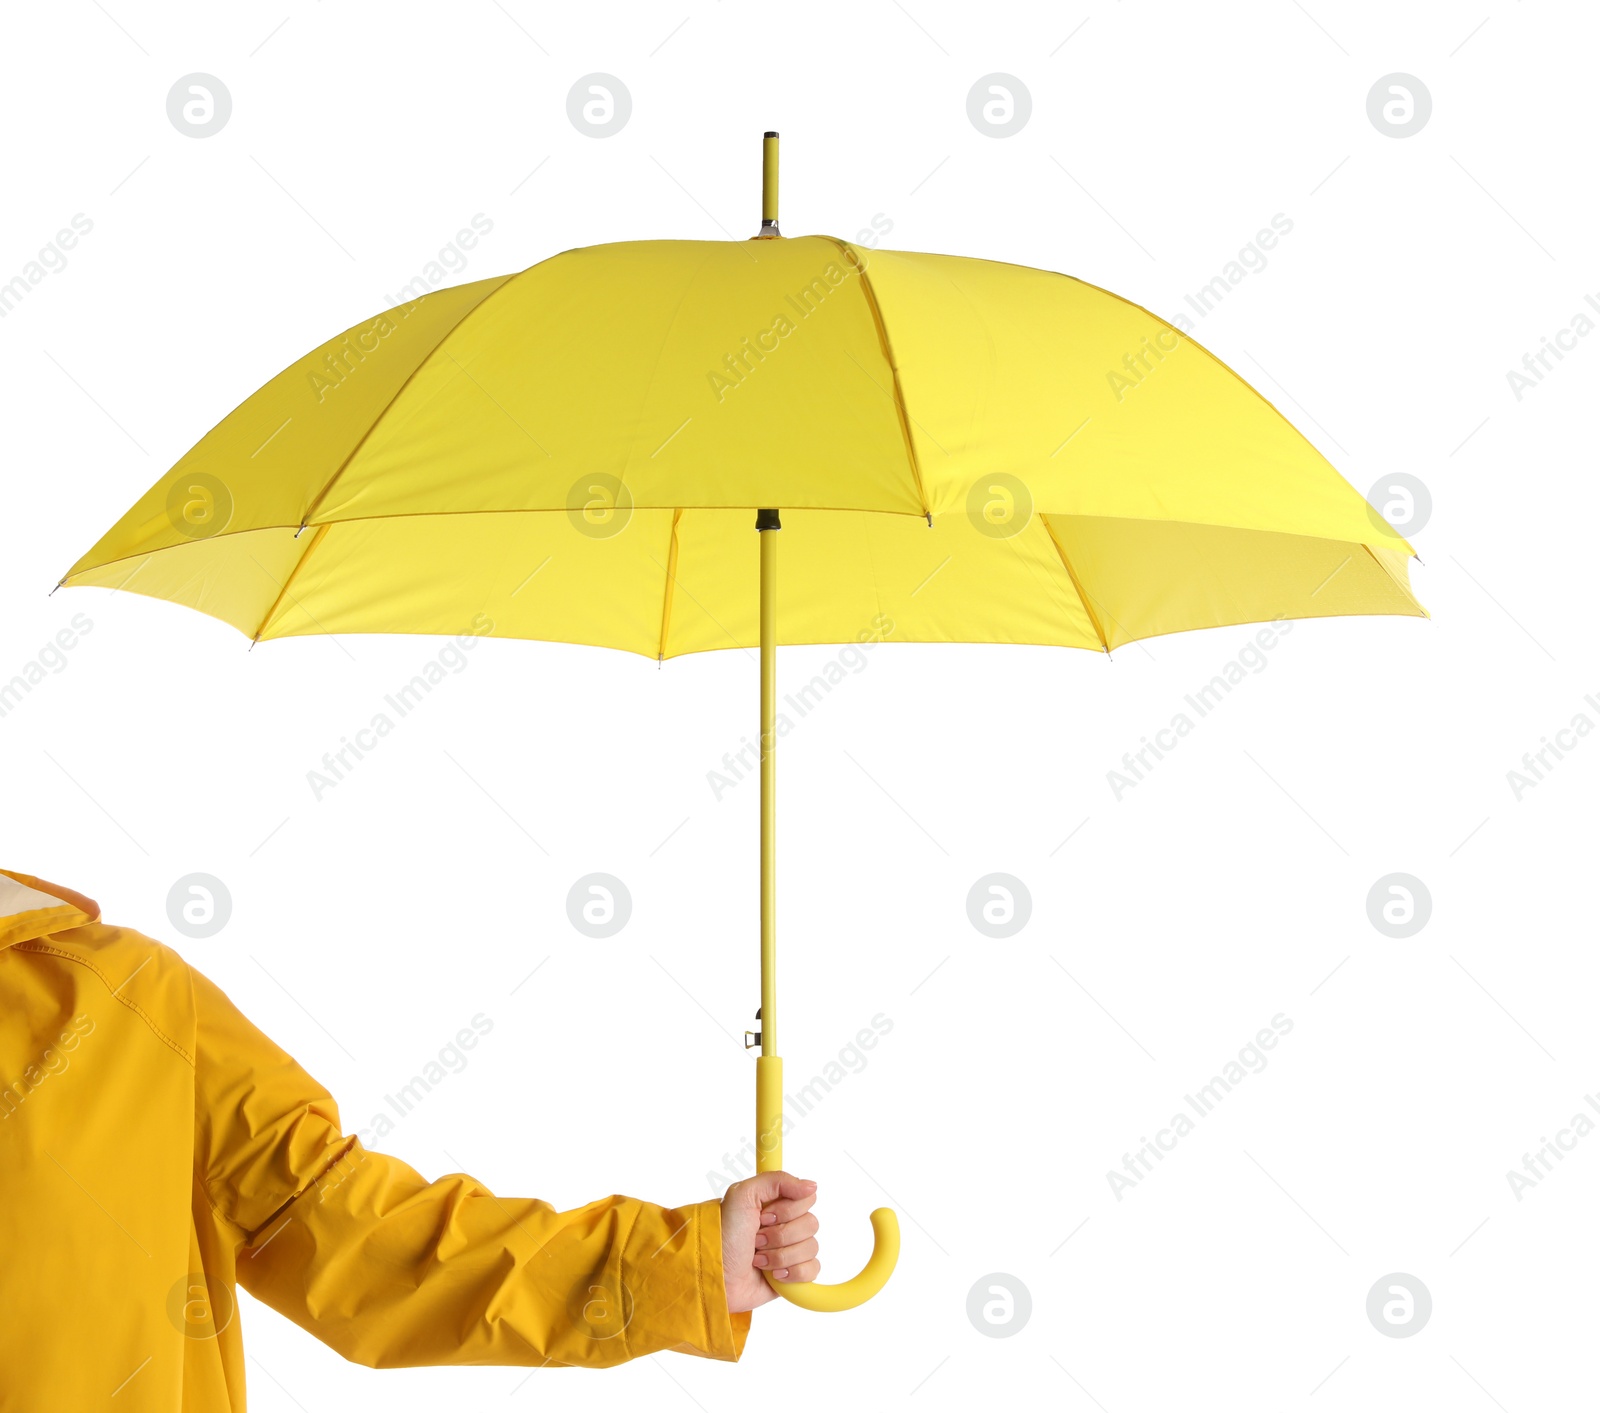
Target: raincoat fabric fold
{"points": [[158, 1151]]}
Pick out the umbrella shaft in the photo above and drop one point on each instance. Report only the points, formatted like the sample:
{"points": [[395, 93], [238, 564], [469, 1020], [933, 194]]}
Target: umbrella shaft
{"points": [[769, 806]]}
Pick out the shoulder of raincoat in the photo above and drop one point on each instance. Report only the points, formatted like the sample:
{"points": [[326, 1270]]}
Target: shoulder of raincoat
{"points": [[156, 1149]]}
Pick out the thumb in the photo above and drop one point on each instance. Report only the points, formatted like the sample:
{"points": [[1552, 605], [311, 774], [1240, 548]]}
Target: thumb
{"points": [[768, 1187]]}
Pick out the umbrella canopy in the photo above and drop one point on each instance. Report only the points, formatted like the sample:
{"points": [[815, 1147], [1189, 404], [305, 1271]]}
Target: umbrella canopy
{"points": [[1028, 459]]}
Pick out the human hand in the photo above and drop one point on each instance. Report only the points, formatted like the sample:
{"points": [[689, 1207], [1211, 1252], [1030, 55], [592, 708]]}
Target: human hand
{"points": [[767, 1226]]}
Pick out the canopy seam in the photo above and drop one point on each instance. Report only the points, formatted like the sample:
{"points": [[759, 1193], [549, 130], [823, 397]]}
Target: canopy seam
{"points": [[1083, 598], [322, 495], [316, 540], [666, 587], [898, 396]]}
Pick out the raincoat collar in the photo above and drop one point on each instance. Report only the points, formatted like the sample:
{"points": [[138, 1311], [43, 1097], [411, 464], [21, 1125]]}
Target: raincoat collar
{"points": [[31, 908]]}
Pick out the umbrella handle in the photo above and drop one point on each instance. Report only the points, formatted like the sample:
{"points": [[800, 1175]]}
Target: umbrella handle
{"points": [[812, 1295], [846, 1295]]}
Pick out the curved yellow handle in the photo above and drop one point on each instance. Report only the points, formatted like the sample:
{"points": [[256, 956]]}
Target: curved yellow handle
{"points": [[846, 1295], [809, 1295]]}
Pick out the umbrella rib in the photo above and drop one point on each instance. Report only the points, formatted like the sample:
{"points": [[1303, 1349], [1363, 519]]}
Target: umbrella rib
{"points": [[1083, 598], [666, 587], [283, 590], [1394, 578], [422, 363], [870, 295]]}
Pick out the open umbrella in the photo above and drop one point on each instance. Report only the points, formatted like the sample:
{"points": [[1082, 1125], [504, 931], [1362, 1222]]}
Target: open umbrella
{"points": [[955, 450]]}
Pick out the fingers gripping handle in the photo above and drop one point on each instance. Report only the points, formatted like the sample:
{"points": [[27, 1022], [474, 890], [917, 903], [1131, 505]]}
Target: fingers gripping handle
{"points": [[813, 1295]]}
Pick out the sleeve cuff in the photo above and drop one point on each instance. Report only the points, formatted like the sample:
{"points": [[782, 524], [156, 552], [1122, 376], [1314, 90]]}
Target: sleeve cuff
{"points": [[725, 1333], [678, 1285]]}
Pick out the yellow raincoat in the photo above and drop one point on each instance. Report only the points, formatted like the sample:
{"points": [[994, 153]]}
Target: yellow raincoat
{"points": [[156, 1149]]}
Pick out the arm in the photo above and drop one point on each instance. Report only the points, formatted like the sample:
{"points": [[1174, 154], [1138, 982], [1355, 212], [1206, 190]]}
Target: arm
{"points": [[390, 1269]]}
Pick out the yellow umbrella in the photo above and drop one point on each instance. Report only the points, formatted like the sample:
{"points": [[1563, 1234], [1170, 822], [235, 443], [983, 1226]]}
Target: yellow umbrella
{"points": [[959, 451]]}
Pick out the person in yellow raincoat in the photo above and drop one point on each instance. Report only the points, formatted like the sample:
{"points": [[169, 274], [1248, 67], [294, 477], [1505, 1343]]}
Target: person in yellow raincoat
{"points": [[156, 1150]]}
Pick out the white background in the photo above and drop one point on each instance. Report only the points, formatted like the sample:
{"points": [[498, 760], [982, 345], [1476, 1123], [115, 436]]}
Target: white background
{"points": [[1228, 887]]}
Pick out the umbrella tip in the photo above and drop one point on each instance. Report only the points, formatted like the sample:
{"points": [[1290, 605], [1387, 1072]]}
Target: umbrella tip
{"points": [[769, 186]]}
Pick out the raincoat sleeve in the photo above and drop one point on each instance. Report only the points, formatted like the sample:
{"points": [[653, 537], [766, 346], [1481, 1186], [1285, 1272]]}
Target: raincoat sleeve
{"points": [[392, 1270]]}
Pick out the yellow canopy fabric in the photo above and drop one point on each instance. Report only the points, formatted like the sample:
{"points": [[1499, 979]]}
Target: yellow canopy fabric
{"points": [[961, 451]]}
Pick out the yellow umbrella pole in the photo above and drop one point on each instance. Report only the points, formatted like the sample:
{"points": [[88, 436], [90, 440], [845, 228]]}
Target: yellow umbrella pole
{"points": [[769, 1067]]}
